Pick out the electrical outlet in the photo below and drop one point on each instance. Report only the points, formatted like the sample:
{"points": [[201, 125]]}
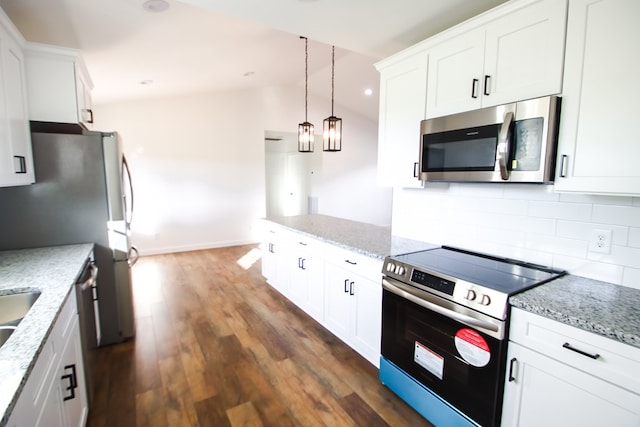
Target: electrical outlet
{"points": [[600, 241]]}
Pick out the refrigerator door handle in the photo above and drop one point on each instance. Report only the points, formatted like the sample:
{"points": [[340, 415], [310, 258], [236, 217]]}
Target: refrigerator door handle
{"points": [[128, 207], [134, 254]]}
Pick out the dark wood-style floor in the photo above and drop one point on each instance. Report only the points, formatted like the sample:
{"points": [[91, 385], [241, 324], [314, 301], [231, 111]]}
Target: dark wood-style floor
{"points": [[216, 346]]}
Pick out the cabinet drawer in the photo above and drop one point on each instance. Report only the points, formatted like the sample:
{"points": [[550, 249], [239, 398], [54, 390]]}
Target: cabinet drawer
{"points": [[616, 362], [362, 265]]}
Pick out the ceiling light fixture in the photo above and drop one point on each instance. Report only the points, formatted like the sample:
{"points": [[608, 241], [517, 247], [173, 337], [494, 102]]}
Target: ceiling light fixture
{"points": [[332, 125], [155, 5], [305, 129]]}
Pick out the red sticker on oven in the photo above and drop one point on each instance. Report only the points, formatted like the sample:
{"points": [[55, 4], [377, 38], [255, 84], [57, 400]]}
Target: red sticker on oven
{"points": [[472, 347]]}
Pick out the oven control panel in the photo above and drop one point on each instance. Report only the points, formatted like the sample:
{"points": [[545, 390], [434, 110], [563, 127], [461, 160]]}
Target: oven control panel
{"points": [[479, 298]]}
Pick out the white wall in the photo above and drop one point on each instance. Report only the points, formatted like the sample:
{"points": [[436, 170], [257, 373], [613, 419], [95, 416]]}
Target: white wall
{"points": [[198, 165], [527, 222]]}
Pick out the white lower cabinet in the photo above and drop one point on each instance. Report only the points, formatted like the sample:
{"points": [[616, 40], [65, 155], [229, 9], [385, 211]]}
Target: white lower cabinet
{"points": [[558, 375], [339, 288], [55, 392], [306, 285], [353, 305]]}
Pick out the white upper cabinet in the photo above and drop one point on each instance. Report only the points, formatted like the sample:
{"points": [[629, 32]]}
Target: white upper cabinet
{"points": [[59, 86], [402, 106], [598, 144], [515, 56], [16, 160]]}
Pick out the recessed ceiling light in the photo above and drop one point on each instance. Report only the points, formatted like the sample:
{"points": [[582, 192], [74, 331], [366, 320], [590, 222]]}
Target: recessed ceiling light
{"points": [[368, 92], [155, 5]]}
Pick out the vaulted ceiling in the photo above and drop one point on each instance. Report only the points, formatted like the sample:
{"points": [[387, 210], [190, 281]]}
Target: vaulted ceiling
{"points": [[222, 45]]}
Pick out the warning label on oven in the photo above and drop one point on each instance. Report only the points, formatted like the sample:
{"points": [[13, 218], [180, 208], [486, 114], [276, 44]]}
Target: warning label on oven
{"points": [[429, 360], [472, 347]]}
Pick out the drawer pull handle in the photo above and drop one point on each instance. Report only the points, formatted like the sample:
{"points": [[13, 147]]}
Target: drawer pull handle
{"points": [[350, 262], [511, 364], [582, 352]]}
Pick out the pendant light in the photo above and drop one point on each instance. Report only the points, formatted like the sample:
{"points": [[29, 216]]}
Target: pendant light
{"points": [[332, 125], [305, 129]]}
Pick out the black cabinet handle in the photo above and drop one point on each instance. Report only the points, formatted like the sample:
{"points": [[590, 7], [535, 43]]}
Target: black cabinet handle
{"points": [[351, 288], [346, 284], [350, 262], [474, 83], [487, 81], [302, 260], [511, 364], [73, 383], [415, 170], [582, 352], [20, 164]]}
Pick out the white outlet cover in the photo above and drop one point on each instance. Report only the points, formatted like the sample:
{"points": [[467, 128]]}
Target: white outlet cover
{"points": [[600, 241]]}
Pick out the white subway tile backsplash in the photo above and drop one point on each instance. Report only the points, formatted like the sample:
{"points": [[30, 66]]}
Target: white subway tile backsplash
{"points": [[569, 211], [631, 277], [634, 238], [527, 222], [618, 215], [530, 192], [595, 199], [582, 230]]}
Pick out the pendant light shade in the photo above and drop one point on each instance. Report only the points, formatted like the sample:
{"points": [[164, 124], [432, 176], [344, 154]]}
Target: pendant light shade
{"points": [[332, 125], [305, 129]]}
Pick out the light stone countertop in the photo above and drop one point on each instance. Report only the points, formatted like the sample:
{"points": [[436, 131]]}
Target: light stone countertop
{"points": [[603, 308], [372, 240], [53, 271]]}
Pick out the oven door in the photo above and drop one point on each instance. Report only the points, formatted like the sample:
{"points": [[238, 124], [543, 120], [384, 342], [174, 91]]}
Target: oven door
{"points": [[461, 364]]}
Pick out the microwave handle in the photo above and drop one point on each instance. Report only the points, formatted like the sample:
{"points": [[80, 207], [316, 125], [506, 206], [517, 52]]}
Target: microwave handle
{"points": [[504, 145]]}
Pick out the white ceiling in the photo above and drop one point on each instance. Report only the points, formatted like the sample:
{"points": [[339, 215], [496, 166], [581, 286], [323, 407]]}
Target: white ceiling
{"points": [[211, 45]]}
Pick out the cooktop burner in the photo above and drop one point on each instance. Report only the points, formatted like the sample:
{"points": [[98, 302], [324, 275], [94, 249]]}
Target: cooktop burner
{"points": [[500, 274]]}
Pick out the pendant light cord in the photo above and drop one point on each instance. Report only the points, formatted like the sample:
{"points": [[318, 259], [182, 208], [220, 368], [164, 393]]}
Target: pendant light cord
{"points": [[306, 75], [333, 63]]}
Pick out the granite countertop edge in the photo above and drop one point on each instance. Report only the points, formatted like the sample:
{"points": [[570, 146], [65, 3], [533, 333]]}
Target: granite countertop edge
{"points": [[603, 308], [53, 271]]}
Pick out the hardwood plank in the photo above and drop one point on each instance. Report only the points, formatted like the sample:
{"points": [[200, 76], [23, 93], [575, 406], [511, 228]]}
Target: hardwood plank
{"points": [[360, 412], [244, 415], [150, 410]]}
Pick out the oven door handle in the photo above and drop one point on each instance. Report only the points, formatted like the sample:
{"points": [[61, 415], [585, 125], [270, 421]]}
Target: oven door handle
{"points": [[462, 318]]}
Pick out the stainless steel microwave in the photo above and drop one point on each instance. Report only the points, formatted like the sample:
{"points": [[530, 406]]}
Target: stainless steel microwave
{"points": [[509, 143]]}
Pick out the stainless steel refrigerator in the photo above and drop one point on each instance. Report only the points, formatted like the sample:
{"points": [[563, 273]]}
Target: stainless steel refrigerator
{"points": [[82, 194]]}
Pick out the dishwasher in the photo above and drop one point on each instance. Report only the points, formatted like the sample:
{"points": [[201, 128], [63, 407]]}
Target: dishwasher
{"points": [[89, 319]]}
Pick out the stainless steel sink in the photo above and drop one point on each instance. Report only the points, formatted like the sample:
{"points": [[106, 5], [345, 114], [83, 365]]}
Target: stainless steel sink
{"points": [[13, 308]]}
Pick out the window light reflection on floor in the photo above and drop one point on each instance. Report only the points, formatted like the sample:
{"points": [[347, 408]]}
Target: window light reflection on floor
{"points": [[249, 258]]}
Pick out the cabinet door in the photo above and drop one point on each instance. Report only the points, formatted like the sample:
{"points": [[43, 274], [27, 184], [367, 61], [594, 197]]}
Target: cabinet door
{"points": [[598, 147], [269, 260], [454, 83], [300, 261], [72, 382], [540, 391], [338, 286], [16, 165], [51, 411], [524, 53], [402, 106], [367, 320]]}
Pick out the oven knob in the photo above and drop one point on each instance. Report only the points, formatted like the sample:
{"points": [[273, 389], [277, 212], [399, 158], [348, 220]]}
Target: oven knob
{"points": [[400, 270], [471, 295], [390, 267], [485, 300]]}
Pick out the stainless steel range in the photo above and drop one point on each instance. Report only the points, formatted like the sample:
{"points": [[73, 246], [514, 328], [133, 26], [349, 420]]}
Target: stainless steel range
{"points": [[444, 331]]}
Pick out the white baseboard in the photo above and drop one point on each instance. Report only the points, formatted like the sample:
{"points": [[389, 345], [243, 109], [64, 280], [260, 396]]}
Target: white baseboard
{"points": [[193, 247]]}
